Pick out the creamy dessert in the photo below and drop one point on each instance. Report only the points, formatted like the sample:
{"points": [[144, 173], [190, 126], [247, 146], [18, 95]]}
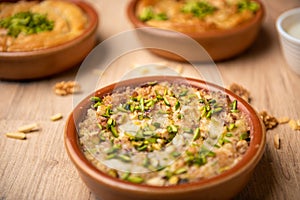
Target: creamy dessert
{"points": [[163, 133]]}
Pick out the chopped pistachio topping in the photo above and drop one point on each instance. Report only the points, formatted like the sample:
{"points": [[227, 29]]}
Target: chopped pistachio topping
{"points": [[152, 126], [248, 5], [148, 14], [27, 23], [198, 8]]}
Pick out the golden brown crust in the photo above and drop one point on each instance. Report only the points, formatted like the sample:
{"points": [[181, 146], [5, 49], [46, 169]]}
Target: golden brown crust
{"points": [[226, 15], [69, 23]]}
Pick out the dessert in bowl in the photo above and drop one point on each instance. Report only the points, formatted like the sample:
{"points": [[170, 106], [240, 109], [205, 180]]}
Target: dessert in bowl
{"points": [[42, 38], [223, 28], [164, 137]]}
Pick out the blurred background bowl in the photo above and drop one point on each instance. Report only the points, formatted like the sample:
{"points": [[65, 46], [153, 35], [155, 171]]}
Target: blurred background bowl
{"points": [[219, 44], [288, 27], [42, 63]]}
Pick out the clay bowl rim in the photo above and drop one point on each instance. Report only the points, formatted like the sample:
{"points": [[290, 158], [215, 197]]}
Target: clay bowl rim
{"points": [[92, 16], [247, 164], [204, 35]]}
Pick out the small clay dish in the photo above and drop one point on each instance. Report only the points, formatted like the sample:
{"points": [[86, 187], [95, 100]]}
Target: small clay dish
{"points": [[288, 26], [36, 64], [223, 186], [219, 44]]}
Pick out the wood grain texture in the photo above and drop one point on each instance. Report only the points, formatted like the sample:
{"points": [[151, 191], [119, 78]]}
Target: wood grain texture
{"points": [[38, 168]]}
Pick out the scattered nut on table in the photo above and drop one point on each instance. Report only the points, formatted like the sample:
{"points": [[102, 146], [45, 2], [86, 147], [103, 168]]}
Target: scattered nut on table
{"points": [[269, 121], [16, 135], [240, 91], [283, 120], [56, 117], [28, 128], [64, 88], [295, 125], [276, 141]]}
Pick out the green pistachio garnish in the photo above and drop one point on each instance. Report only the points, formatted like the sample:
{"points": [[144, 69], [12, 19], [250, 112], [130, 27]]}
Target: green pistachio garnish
{"points": [[124, 158], [244, 136], [172, 129], [27, 23], [177, 105], [196, 134], [248, 5], [198, 8], [135, 179], [148, 14], [181, 170]]}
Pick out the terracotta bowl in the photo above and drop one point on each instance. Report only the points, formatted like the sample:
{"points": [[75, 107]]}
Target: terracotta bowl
{"points": [[46, 62], [219, 44], [223, 186]]}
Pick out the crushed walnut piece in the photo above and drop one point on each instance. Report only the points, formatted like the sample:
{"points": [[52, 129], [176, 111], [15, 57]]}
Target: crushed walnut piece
{"points": [[276, 141], [240, 91], [64, 88], [269, 121], [295, 125]]}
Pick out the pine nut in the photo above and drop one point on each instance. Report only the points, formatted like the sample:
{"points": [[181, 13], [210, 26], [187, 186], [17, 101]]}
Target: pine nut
{"points": [[56, 117], [16, 135], [28, 128], [276, 141]]}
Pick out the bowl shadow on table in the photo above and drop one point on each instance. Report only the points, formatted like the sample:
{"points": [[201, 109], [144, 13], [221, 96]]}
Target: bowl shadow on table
{"points": [[60, 75], [258, 49]]}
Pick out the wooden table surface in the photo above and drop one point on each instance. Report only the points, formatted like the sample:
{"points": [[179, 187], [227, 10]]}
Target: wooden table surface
{"points": [[39, 168]]}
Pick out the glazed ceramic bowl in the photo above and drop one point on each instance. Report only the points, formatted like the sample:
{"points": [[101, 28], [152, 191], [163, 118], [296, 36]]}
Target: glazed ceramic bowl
{"points": [[49, 61], [288, 27], [223, 186], [219, 44]]}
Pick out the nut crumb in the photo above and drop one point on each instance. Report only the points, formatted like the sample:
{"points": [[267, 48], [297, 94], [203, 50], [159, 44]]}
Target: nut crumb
{"points": [[283, 120], [276, 141], [295, 125], [56, 117], [64, 88], [179, 69], [269, 121], [242, 146], [240, 91]]}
